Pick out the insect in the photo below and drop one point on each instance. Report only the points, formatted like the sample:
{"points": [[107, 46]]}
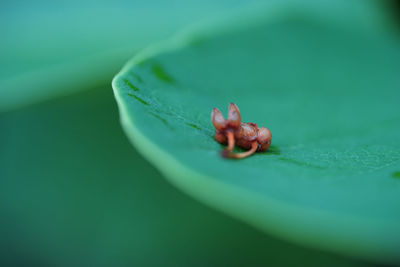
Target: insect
{"points": [[245, 135]]}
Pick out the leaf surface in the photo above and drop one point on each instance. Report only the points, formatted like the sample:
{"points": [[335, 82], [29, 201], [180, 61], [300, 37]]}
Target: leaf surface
{"points": [[74, 193], [329, 93]]}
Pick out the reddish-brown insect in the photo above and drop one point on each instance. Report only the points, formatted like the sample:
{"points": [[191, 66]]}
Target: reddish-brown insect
{"points": [[245, 135]]}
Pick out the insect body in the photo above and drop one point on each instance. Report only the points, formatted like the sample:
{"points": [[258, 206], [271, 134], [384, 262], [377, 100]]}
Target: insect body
{"points": [[245, 135]]}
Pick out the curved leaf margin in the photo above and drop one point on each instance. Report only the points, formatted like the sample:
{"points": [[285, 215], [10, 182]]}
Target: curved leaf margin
{"points": [[227, 197]]}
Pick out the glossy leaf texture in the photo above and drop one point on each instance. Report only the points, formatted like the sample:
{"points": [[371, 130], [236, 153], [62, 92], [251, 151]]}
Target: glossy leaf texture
{"points": [[73, 192], [328, 91]]}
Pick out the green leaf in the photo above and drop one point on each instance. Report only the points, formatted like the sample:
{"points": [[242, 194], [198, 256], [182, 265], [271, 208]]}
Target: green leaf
{"points": [[329, 92], [74, 193], [50, 50]]}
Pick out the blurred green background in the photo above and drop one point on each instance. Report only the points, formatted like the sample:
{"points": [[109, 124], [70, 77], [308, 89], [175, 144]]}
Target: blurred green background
{"points": [[49, 49], [73, 191]]}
